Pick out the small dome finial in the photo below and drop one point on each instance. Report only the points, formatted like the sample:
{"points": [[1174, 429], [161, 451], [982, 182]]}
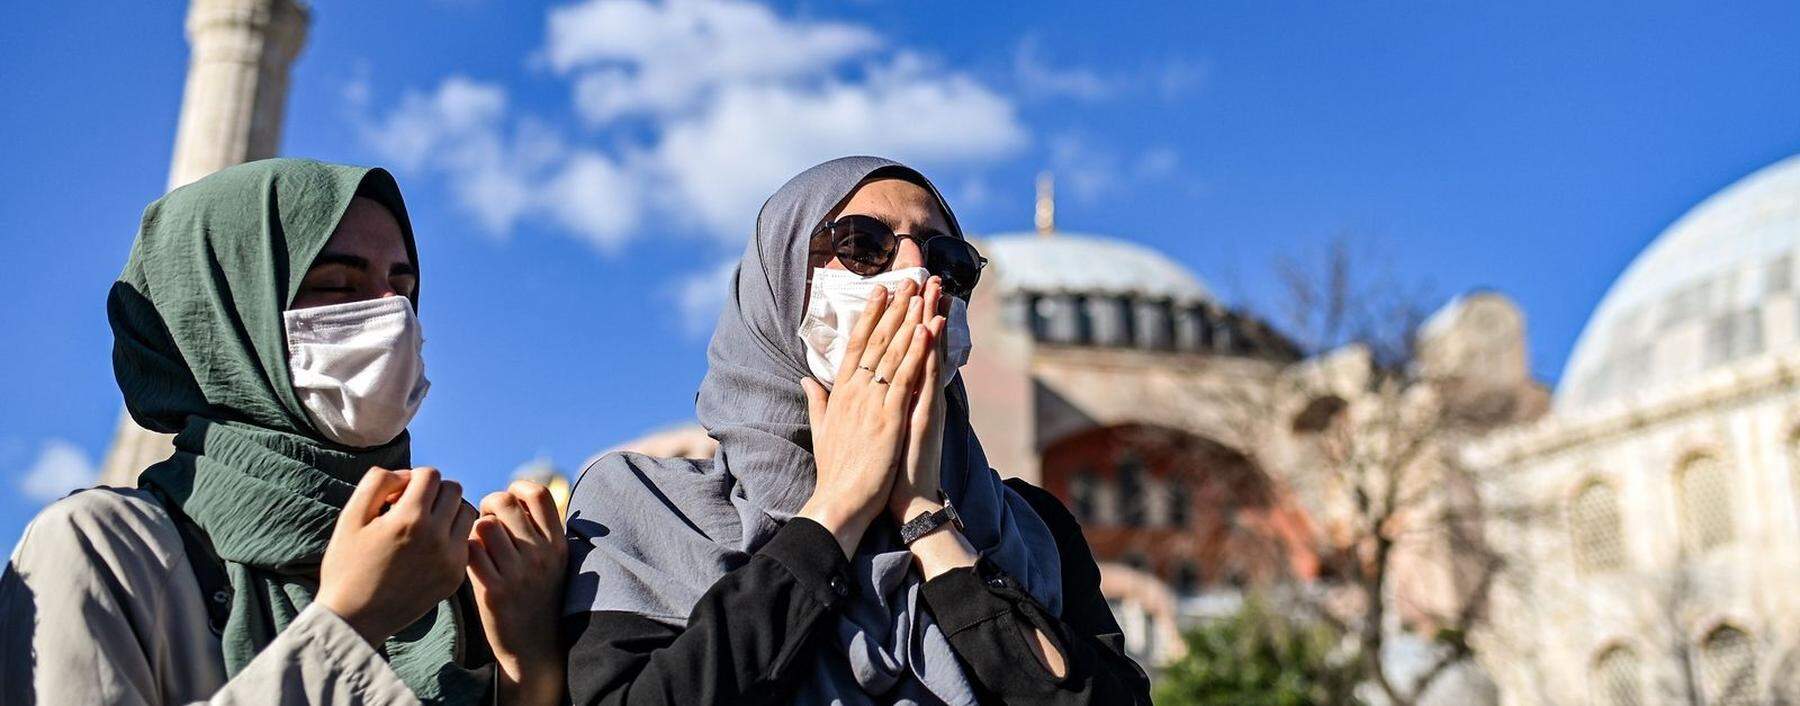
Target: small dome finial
{"points": [[1046, 204]]}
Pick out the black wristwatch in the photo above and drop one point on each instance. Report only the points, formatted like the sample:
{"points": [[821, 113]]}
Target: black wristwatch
{"points": [[929, 522]]}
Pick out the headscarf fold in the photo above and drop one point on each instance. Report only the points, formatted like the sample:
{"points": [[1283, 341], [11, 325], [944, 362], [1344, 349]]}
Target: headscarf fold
{"points": [[200, 351], [651, 535]]}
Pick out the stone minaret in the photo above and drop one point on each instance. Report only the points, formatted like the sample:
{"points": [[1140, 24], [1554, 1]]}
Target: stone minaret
{"points": [[1045, 213], [231, 112]]}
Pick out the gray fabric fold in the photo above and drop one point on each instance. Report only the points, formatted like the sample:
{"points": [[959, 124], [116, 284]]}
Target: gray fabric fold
{"points": [[651, 535]]}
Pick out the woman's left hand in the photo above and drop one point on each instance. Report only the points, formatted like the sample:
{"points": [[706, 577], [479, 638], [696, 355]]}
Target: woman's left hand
{"points": [[916, 485], [517, 554]]}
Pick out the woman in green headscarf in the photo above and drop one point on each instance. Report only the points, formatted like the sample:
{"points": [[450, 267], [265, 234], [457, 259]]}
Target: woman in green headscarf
{"points": [[267, 319]]}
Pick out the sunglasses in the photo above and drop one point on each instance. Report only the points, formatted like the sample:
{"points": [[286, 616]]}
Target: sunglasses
{"points": [[867, 247]]}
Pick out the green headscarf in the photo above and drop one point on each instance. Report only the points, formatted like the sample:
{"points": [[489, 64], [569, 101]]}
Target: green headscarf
{"points": [[200, 351]]}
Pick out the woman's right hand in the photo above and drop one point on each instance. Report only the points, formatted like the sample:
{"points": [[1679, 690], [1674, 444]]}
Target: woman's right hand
{"points": [[859, 427], [385, 569], [517, 554]]}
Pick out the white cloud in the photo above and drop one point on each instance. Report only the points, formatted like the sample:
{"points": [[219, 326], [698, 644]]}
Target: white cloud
{"points": [[1157, 162], [733, 98], [462, 113], [700, 295], [502, 170], [1083, 170], [1180, 76], [61, 467], [726, 160], [1090, 172], [633, 56], [1040, 80], [973, 192], [595, 197]]}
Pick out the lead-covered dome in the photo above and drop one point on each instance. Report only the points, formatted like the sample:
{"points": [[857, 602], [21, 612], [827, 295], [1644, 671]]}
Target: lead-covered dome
{"points": [[1716, 287], [1084, 290], [1072, 263]]}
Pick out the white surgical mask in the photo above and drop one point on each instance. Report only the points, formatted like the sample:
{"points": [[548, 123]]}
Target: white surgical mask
{"points": [[839, 297], [358, 368]]}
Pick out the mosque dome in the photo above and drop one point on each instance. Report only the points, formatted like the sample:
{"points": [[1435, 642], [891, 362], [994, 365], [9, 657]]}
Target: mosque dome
{"points": [[1072, 289], [1715, 288], [1072, 263]]}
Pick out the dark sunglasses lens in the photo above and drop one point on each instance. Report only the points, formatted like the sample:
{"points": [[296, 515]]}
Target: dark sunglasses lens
{"points": [[955, 261], [864, 248]]}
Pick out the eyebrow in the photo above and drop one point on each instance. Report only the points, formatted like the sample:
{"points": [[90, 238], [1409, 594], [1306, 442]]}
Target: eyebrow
{"points": [[922, 231], [361, 263], [332, 258]]}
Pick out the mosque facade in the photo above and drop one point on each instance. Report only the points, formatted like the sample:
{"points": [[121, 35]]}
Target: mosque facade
{"points": [[1666, 566]]}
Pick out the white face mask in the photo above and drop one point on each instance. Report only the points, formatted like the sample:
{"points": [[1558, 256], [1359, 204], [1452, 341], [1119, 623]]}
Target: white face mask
{"points": [[358, 368], [839, 297]]}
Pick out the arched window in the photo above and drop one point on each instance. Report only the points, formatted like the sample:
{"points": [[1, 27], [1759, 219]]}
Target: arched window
{"points": [[1083, 319], [1155, 324], [1064, 318], [1017, 312], [1039, 312], [1793, 454], [1081, 496], [1704, 492], [1187, 579], [1132, 510], [1728, 668], [1193, 329], [1594, 529], [1179, 502], [1109, 320], [1616, 680], [1226, 336], [1128, 315]]}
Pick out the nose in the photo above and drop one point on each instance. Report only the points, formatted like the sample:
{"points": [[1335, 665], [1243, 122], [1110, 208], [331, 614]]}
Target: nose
{"points": [[380, 287], [908, 255]]}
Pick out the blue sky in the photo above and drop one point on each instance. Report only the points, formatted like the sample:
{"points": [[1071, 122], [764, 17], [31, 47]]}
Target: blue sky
{"points": [[579, 172]]}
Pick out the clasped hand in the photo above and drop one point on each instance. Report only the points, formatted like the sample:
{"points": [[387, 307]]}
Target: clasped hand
{"points": [[878, 434], [405, 541]]}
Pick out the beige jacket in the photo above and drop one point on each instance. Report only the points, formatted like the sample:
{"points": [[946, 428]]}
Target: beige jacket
{"points": [[100, 606]]}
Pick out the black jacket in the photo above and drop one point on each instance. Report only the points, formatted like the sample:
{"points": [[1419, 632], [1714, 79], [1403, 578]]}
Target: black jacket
{"points": [[752, 634]]}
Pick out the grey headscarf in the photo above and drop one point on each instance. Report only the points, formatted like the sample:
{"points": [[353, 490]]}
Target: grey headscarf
{"points": [[651, 535]]}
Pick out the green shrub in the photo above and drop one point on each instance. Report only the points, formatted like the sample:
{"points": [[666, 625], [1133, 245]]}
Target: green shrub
{"points": [[1257, 657]]}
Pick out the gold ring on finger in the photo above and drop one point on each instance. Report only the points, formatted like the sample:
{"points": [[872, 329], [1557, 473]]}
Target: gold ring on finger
{"points": [[865, 367]]}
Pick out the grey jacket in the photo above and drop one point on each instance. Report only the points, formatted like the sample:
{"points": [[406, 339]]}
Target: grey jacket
{"points": [[99, 605]]}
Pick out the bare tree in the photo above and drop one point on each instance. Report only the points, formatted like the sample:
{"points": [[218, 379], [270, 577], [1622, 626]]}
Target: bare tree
{"points": [[1364, 435]]}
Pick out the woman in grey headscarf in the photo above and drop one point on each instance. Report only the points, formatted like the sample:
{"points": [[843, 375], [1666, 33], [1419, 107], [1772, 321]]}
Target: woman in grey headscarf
{"points": [[847, 546]]}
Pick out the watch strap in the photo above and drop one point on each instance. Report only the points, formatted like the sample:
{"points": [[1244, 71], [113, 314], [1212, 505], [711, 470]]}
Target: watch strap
{"points": [[929, 522]]}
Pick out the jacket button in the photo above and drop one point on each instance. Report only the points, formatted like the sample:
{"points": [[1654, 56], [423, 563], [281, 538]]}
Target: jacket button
{"points": [[221, 597], [839, 587]]}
